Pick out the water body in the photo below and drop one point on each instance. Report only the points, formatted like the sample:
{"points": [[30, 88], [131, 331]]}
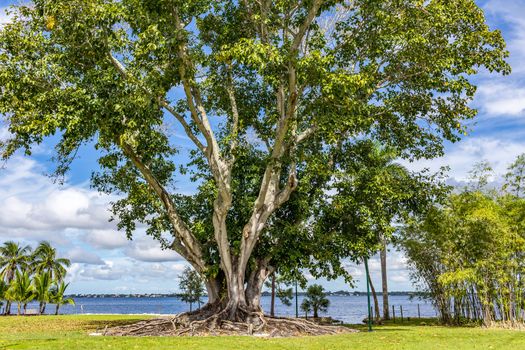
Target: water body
{"points": [[349, 309]]}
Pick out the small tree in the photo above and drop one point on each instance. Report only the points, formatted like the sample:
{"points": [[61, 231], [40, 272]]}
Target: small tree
{"points": [[13, 257], [42, 285], [46, 260], [58, 296], [279, 287], [3, 291], [515, 177], [21, 290], [191, 285], [315, 300]]}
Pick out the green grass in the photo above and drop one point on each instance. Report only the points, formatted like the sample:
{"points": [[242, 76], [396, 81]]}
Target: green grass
{"points": [[71, 332]]}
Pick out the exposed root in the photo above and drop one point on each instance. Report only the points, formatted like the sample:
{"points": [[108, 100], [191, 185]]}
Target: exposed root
{"points": [[207, 322]]}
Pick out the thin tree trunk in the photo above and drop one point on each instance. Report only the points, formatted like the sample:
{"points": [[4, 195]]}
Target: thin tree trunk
{"points": [[384, 281], [272, 306], [18, 313], [376, 302], [56, 310]]}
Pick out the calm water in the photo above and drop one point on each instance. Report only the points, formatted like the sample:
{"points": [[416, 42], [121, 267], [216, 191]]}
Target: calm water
{"points": [[350, 309]]}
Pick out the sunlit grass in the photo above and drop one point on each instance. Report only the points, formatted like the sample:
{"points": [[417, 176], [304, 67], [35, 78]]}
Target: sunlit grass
{"points": [[71, 332]]}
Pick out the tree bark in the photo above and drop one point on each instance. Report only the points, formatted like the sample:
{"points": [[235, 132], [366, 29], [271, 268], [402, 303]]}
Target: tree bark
{"points": [[384, 280], [272, 307], [255, 284], [376, 303]]}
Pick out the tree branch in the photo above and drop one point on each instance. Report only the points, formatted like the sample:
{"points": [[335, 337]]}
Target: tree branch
{"points": [[161, 101], [191, 246], [312, 13], [235, 114]]}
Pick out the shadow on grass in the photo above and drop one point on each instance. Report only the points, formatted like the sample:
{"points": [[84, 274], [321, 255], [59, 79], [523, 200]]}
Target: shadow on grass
{"points": [[101, 324], [364, 329]]}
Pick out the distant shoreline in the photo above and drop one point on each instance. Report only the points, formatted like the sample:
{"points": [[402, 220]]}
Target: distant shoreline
{"points": [[265, 293]]}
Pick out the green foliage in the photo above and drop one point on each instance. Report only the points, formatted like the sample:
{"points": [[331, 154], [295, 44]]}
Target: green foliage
{"points": [[42, 287], [269, 96], [13, 258], [21, 290], [515, 177], [57, 296], [469, 253], [28, 275], [368, 196], [191, 286], [45, 260], [315, 300]]}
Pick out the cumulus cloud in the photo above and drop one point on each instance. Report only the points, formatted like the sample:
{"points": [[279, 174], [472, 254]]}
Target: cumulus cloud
{"points": [[79, 255], [497, 99], [35, 207], [512, 12], [504, 96], [106, 239], [499, 152], [108, 271], [128, 272], [148, 250]]}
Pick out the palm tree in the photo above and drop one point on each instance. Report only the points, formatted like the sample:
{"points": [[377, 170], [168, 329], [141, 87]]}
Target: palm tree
{"points": [[21, 290], [42, 285], [315, 300], [3, 290], [58, 296], [13, 258], [45, 260]]}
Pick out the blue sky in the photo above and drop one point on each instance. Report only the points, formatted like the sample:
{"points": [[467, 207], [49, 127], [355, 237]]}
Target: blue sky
{"points": [[75, 218]]}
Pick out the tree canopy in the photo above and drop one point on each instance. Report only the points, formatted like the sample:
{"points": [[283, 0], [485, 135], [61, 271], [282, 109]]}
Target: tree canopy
{"points": [[270, 89]]}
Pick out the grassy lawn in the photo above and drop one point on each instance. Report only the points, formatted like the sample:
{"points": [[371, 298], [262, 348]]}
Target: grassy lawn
{"points": [[71, 332]]}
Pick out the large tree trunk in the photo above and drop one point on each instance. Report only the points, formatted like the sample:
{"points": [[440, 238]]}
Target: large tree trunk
{"points": [[384, 280]]}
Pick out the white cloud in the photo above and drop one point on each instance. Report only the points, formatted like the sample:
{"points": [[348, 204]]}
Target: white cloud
{"points": [[34, 207], [500, 154], [106, 239], [512, 12], [504, 96], [79, 255], [127, 273], [149, 250], [500, 98], [4, 17], [104, 272]]}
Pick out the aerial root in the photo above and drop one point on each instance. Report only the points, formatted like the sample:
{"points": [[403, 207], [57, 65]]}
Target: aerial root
{"points": [[243, 322]]}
